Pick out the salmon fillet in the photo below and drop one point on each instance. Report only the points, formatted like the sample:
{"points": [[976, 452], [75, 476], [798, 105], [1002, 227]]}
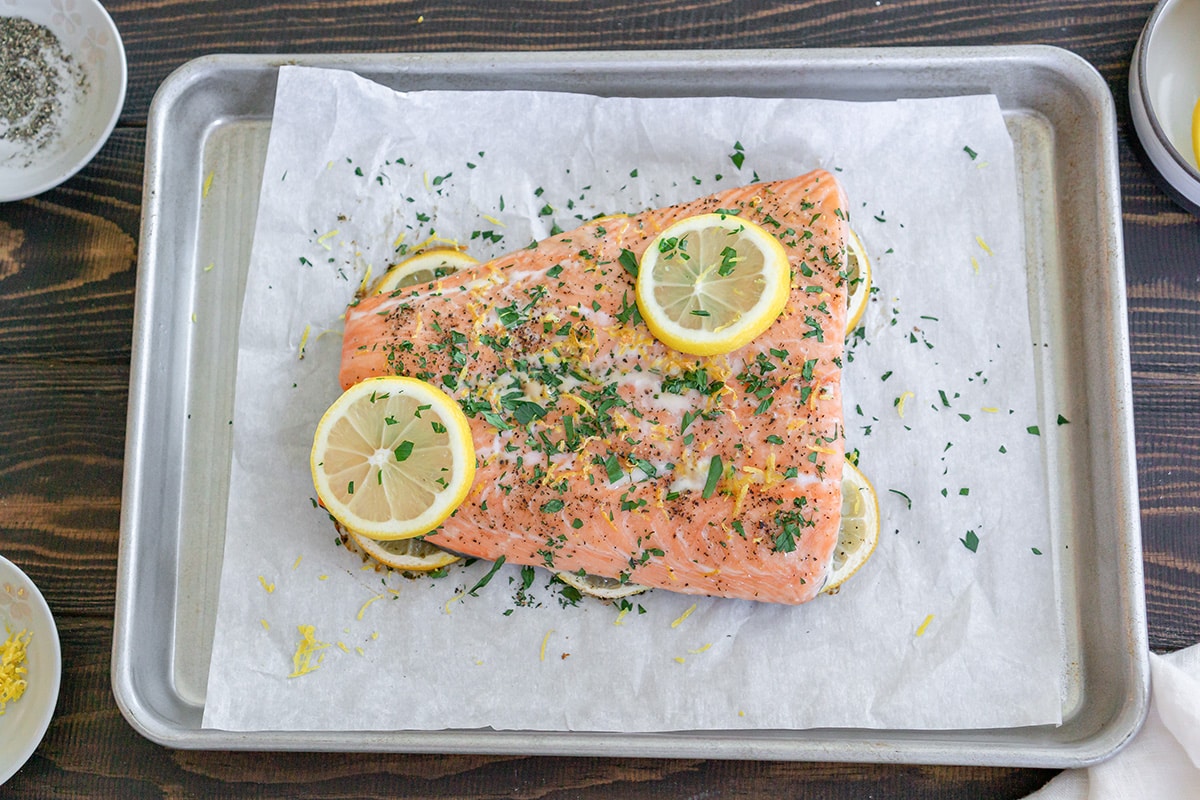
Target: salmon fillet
{"points": [[601, 450]]}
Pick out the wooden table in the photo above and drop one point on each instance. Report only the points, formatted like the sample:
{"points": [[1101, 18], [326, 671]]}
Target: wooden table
{"points": [[67, 273]]}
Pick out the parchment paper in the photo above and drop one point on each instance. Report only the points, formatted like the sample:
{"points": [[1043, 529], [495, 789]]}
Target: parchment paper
{"points": [[954, 623]]}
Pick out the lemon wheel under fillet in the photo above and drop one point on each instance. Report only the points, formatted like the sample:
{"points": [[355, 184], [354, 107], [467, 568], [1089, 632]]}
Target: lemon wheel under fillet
{"points": [[423, 267], [859, 532], [858, 277]]}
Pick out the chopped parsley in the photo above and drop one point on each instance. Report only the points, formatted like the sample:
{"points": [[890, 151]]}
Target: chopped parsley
{"points": [[970, 541]]}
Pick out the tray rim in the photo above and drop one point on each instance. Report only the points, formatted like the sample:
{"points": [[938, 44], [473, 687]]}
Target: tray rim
{"points": [[940, 747]]}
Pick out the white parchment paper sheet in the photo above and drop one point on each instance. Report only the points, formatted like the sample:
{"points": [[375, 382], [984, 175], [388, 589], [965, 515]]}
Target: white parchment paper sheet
{"points": [[940, 394]]}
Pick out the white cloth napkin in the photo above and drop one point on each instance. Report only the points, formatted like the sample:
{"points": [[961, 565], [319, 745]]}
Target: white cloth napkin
{"points": [[1163, 760]]}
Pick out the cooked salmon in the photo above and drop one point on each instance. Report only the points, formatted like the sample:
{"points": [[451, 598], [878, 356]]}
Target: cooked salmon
{"points": [[600, 449]]}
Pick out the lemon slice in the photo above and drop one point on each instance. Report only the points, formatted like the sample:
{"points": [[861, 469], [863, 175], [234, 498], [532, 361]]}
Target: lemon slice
{"points": [[858, 277], [596, 586], [411, 555], [392, 458], [859, 532], [709, 284], [423, 268]]}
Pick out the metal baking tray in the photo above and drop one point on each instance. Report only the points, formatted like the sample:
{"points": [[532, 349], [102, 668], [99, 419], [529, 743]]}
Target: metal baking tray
{"points": [[214, 114]]}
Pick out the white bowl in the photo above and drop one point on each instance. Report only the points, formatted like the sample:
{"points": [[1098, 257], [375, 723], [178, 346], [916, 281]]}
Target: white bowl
{"points": [[25, 721], [88, 36], [1164, 85]]}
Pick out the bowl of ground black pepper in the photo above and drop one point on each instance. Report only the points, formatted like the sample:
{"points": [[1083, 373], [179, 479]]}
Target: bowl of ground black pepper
{"points": [[63, 73]]}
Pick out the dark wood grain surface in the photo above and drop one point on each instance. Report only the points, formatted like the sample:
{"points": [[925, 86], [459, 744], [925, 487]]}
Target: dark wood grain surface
{"points": [[68, 262]]}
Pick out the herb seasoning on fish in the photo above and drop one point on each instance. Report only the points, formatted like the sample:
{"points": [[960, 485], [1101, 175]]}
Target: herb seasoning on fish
{"points": [[600, 449], [41, 85]]}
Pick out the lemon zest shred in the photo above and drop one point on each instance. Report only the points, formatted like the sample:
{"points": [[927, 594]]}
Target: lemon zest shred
{"points": [[983, 244], [493, 220], [545, 640], [324, 238], [306, 649], [399, 240], [621, 616], [268, 587], [304, 340], [701, 649], [679, 620], [209, 267], [360, 651], [901, 401], [266, 625], [374, 635], [741, 713], [343, 648], [322, 577], [680, 659], [990, 409], [193, 316], [433, 238], [826, 450], [365, 605], [925, 624], [453, 599], [207, 184]]}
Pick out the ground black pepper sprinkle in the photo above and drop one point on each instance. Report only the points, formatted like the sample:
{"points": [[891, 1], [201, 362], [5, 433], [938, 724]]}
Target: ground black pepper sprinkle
{"points": [[37, 77]]}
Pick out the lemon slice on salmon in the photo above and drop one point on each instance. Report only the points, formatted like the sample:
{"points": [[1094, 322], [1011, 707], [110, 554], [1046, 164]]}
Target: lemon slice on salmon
{"points": [[859, 532], [410, 555], [392, 458], [711, 283], [858, 279], [423, 268]]}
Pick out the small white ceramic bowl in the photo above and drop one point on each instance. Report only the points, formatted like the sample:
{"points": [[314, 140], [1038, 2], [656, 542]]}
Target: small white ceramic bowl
{"points": [[89, 37], [1164, 86], [25, 721]]}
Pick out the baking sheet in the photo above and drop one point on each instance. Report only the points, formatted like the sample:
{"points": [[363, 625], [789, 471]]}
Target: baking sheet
{"points": [[940, 395], [1099, 679]]}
